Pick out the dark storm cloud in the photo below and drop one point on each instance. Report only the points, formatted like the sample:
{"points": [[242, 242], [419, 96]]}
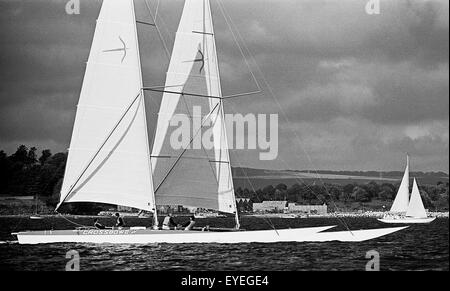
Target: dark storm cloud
{"points": [[370, 86], [43, 52], [388, 94], [401, 56]]}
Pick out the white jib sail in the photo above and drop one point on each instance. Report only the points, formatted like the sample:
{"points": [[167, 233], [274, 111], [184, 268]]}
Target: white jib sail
{"points": [[401, 201], [120, 173], [416, 208], [193, 175]]}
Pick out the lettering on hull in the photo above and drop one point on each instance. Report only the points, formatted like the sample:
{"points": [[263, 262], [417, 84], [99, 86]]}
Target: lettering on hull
{"points": [[107, 231]]}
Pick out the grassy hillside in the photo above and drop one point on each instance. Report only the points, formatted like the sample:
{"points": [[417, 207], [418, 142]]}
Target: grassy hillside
{"points": [[260, 178]]}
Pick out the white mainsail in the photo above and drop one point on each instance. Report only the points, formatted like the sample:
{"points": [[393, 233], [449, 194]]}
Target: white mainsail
{"points": [[109, 152], [401, 201], [193, 175], [416, 208]]}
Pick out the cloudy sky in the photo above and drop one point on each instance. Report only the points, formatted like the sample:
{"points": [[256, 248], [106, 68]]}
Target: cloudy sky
{"points": [[353, 91]]}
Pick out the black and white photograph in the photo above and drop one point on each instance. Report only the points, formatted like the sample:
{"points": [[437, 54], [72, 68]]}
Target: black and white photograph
{"points": [[227, 136]]}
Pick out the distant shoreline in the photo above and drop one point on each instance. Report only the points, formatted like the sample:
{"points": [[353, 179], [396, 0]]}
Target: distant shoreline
{"points": [[370, 214]]}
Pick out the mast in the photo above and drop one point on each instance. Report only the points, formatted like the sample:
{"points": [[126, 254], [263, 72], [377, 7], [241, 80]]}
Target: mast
{"points": [[224, 139], [236, 214], [223, 127], [223, 134], [193, 175], [108, 159], [401, 200], [144, 117]]}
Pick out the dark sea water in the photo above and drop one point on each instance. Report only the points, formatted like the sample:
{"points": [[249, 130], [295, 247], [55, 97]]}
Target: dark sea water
{"points": [[420, 247]]}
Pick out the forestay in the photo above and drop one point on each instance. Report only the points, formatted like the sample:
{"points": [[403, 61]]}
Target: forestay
{"points": [[118, 172], [193, 174]]}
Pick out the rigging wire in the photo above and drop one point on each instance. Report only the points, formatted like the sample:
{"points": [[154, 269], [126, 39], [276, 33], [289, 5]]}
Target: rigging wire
{"points": [[156, 10], [299, 180], [231, 25], [238, 45], [185, 149], [272, 95], [158, 15], [72, 187], [191, 117], [166, 50], [267, 220], [73, 222]]}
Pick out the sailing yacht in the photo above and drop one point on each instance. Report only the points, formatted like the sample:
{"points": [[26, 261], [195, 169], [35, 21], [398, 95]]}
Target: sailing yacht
{"points": [[405, 209], [110, 160]]}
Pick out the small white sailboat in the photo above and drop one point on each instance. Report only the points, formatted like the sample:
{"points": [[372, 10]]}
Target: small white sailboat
{"points": [[405, 209], [109, 157]]}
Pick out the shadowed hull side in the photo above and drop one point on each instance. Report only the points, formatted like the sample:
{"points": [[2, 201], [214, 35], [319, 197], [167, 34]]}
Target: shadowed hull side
{"points": [[178, 236]]}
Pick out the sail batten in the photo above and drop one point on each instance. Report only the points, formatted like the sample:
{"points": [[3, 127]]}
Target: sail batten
{"points": [[109, 160]]}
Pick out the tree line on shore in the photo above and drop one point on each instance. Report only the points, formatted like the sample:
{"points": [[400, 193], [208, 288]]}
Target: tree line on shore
{"points": [[27, 172], [434, 197]]}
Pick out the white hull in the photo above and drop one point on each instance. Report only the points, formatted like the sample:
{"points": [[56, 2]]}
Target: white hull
{"points": [[407, 220], [146, 236]]}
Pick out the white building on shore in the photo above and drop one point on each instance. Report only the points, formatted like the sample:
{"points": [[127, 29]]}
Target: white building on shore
{"points": [[270, 206], [285, 207], [307, 209]]}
